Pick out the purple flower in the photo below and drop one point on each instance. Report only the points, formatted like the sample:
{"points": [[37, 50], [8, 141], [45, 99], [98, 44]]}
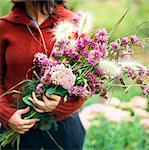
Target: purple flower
{"points": [[76, 18], [124, 41], [92, 77], [101, 36], [41, 60], [115, 46], [100, 72], [145, 90], [39, 88], [72, 52], [57, 52], [84, 41], [134, 39], [95, 56], [77, 91], [46, 78], [131, 73]]}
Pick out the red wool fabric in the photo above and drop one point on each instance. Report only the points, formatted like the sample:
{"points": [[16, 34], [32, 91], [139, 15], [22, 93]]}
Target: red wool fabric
{"points": [[17, 49]]}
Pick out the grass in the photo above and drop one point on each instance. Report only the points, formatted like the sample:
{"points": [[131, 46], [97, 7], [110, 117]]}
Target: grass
{"points": [[106, 135]]}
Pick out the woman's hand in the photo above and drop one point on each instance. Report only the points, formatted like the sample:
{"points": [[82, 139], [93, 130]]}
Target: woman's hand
{"points": [[19, 125], [47, 104]]}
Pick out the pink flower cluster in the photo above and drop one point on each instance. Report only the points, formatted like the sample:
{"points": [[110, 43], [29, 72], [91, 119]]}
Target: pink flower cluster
{"points": [[78, 91], [74, 63], [125, 44], [60, 75], [56, 75], [41, 61], [140, 75], [93, 50]]}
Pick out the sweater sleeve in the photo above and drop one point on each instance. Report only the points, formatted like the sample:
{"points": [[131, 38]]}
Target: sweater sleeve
{"points": [[5, 109]]}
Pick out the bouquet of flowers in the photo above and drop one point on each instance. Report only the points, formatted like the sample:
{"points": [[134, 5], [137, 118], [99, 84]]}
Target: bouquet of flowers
{"points": [[81, 65]]}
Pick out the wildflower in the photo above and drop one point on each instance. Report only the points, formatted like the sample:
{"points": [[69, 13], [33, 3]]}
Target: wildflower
{"points": [[76, 18], [101, 36], [39, 88], [124, 41], [145, 90], [111, 68], [134, 39], [115, 46], [85, 23], [83, 41], [57, 52], [46, 78], [40, 60], [100, 72], [64, 30], [92, 77], [77, 91]]}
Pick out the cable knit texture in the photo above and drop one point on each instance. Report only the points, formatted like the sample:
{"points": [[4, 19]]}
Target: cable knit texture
{"points": [[17, 49]]}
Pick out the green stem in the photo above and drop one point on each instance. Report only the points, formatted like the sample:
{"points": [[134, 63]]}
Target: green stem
{"points": [[86, 71], [36, 75], [18, 141], [30, 116], [13, 91], [118, 85]]}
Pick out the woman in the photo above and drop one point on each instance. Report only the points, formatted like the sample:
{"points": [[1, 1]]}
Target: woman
{"points": [[20, 40]]}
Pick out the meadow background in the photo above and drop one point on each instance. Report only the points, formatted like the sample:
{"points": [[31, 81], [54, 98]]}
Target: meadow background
{"points": [[123, 122]]}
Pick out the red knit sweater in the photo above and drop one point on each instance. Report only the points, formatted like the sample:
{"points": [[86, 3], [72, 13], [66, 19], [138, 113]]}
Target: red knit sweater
{"points": [[17, 48]]}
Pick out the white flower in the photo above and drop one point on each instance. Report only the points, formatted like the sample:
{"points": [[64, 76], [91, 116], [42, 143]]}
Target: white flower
{"points": [[63, 30], [85, 23], [111, 67]]}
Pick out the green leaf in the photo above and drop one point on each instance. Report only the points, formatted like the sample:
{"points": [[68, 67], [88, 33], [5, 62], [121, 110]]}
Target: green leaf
{"points": [[30, 86], [59, 91], [65, 98], [51, 91], [127, 89], [117, 24], [27, 101]]}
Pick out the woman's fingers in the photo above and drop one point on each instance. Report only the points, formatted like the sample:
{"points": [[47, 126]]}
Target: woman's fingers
{"points": [[36, 102], [45, 99], [20, 132], [48, 103], [53, 97], [39, 110], [29, 121], [27, 127]]}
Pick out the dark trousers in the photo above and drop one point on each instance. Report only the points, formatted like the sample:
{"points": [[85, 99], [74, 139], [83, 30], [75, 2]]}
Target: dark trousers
{"points": [[69, 135]]}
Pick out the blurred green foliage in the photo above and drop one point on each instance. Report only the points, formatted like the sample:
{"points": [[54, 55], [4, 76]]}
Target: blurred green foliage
{"points": [[107, 12], [5, 7], [106, 135]]}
